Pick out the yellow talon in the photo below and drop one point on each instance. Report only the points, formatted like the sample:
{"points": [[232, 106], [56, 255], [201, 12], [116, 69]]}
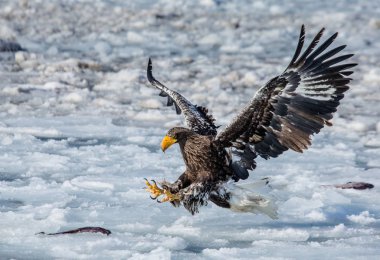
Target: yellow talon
{"points": [[170, 196], [153, 189], [157, 191]]}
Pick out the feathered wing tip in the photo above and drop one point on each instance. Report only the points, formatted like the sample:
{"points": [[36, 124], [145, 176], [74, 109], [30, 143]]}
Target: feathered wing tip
{"points": [[310, 58], [162, 87], [301, 41], [149, 74], [295, 62], [197, 117], [244, 198]]}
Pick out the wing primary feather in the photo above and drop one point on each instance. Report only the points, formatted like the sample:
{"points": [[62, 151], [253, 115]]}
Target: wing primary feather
{"points": [[301, 40], [324, 77], [310, 48], [320, 49], [322, 58], [177, 109], [333, 61], [152, 80], [315, 85], [163, 94], [346, 73], [337, 68], [170, 102], [149, 74]]}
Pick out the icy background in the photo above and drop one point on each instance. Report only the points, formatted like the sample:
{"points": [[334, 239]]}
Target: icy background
{"points": [[80, 128]]}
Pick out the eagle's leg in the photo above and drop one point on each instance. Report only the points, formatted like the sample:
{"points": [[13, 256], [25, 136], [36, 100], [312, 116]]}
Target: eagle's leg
{"points": [[172, 190], [169, 197], [182, 182]]}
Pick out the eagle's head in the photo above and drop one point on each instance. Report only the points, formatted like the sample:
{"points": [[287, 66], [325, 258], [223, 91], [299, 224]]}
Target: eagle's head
{"points": [[175, 135]]}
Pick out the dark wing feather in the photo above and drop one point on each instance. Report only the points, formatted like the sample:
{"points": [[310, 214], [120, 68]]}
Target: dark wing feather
{"points": [[291, 107], [196, 117]]}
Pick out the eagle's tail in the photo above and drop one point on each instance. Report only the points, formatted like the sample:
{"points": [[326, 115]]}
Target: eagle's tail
{"points": [[245, 198]]}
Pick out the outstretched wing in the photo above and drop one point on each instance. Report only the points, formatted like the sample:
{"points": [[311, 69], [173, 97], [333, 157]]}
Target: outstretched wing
{"points": [[291, 107], [196, 117]]}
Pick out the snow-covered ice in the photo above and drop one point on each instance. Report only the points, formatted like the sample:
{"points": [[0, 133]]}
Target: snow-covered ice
{"points": [[80, 128]]}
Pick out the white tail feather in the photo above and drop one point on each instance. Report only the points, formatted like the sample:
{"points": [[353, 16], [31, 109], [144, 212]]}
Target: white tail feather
{"points": [[244, 199]]}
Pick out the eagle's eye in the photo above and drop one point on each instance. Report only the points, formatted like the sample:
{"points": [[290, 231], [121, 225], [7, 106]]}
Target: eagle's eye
{"points": [[172, 134]]}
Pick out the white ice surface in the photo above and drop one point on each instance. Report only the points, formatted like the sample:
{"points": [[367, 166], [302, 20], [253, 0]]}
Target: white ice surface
{"points": [[80, 128]]}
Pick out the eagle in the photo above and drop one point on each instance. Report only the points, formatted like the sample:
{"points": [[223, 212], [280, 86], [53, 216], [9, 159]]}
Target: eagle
{"points": [[283, 114]]}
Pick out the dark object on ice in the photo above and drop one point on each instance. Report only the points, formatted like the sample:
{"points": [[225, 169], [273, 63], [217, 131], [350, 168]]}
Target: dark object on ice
{"points": [[171, 16], [80, 230], [355, 185], [352, 185], [282, 115], [8, 46]]}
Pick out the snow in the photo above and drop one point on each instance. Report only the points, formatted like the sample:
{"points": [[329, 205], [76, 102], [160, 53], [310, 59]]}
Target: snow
{"points": [[363, 218], [80, 128]]}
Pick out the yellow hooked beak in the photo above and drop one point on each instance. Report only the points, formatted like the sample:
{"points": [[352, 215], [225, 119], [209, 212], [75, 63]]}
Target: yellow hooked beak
{"points": [[166, 142]]}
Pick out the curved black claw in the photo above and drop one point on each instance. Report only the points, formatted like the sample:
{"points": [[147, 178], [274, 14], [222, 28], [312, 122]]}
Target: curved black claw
{"points": [[153, 188], [144, 188]]}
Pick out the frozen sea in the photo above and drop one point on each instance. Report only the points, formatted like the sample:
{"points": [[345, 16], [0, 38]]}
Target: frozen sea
{"points": [[80, 128]]}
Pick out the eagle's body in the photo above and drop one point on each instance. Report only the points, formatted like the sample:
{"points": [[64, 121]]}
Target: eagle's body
{"points": [[206, 162], [282, 115]]}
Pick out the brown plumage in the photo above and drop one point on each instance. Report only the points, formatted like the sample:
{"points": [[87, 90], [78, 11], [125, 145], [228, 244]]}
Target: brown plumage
{"points": [[282, 115]]}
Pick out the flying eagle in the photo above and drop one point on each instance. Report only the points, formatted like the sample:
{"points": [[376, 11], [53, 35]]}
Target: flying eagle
{"points": [[282, 115]]}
